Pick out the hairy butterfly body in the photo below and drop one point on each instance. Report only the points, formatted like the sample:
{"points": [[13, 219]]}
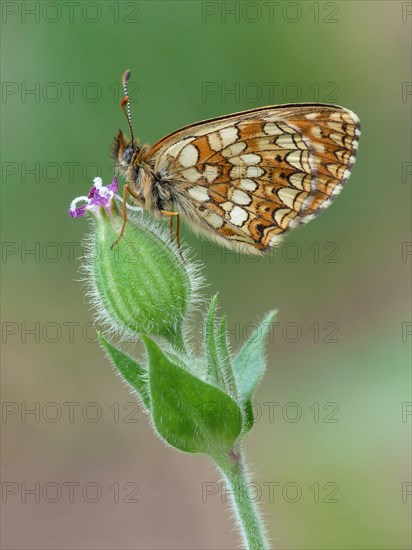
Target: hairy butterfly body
{"points": [[247, 178]]}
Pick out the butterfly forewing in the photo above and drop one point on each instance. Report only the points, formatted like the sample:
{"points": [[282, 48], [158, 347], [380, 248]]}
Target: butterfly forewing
{"points": [[245, 179]]}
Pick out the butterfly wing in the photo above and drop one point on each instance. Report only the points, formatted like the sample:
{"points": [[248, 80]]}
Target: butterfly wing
{"points": [[246, 179]]}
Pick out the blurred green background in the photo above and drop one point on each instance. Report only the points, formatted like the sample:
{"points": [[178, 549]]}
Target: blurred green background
{"points": [[332, 438]]}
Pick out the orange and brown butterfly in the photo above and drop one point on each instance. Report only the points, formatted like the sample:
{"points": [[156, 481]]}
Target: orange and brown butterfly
{"points": [[245, 179]]}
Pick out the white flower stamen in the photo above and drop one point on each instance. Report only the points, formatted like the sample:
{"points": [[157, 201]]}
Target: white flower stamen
{"points": [[74, 202]]}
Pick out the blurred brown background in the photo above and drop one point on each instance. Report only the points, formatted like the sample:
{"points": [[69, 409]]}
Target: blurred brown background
{"points": [[330, 449]]}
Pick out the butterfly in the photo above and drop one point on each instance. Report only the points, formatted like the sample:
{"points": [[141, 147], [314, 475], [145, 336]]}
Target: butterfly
{"points": [[243, 180]]}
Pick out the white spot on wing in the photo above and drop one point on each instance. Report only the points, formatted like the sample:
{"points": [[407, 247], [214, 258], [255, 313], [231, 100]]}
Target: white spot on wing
{"points": [[214, 220], [308, 218], [228, 135], [247, 184], [175, 149], [275, 240], [288, 195], [337, 190], [210, 172], [272, 129], [334, 169], [318, 147], [326, 203], [251, 158], [353, 116], [199, 193], [337, 138], [215, 141], [240, 197], [234, 150], [189, 155], [285, 141], [294, 159], [191, 174], [238, 216], [254, 171], [336, 126], [286, 128], [297, 180], [316, 131], [280, 214]]}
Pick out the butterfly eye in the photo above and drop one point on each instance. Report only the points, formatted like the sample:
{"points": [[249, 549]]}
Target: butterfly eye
{"points": [[128, 155]]}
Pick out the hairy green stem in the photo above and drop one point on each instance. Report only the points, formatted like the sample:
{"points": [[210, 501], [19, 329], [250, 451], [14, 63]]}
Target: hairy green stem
{"points": [[247, 515]]}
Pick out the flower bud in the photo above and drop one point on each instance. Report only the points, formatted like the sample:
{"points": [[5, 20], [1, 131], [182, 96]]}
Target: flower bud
{"points": [[141, 285]]}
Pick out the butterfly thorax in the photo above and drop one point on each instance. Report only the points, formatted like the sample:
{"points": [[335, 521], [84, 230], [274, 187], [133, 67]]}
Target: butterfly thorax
{"points": [[148, 188]]}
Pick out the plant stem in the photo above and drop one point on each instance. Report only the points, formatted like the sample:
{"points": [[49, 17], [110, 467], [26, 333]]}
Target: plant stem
{"points": [[247, 515]]}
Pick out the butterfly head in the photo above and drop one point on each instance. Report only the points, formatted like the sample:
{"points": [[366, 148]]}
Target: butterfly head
{"points": [[124, 150]]}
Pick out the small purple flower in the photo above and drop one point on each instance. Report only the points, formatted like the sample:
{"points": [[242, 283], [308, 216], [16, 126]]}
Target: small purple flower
{"points": [[98, 196]]}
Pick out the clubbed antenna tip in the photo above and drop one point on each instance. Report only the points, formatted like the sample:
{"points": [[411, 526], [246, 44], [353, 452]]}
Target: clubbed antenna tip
{"points": [[125, 102], [126, 76]]}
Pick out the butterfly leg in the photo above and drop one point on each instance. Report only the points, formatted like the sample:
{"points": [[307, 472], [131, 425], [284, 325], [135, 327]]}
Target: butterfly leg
{"points": [[171, 228], [126, 189], [172, 215]]}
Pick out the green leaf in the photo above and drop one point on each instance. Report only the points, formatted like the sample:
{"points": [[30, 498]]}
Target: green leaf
{"points": [[248, 418], [190, 414], [224, 358], [249, 364], [219, 361], [210, 345], [132, 372]]}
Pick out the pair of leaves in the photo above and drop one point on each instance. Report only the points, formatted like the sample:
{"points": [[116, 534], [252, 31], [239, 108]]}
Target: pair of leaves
{"points": [[190, 414]]}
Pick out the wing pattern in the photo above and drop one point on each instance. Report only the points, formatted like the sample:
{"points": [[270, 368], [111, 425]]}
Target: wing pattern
{"points": [[247, 178]]}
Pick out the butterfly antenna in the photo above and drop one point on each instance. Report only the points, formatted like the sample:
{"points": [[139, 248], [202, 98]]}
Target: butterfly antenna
{"points": [[125, 102]]}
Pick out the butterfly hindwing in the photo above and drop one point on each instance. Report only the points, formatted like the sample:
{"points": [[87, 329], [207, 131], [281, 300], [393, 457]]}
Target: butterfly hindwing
{"points": [[245, 179]]}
